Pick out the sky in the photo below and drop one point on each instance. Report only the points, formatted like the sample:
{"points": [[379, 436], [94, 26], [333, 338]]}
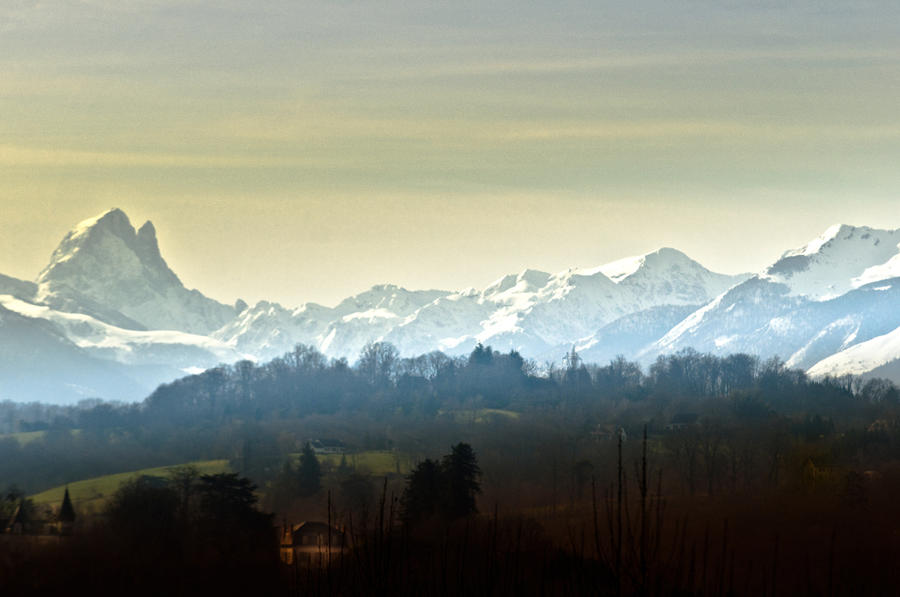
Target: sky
{"points": [[304, 151]]}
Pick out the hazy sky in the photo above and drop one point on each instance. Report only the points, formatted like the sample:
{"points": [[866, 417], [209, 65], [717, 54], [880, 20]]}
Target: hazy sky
{"points": [[305, 151]]}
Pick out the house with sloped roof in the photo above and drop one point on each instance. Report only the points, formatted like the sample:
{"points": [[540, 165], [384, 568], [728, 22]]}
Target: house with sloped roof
{"points": [[682, 421], [328, 446], [311, 543]]}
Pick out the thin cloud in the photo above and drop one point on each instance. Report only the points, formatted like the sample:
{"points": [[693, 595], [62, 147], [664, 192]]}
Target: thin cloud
{"points": [[13, 155]]}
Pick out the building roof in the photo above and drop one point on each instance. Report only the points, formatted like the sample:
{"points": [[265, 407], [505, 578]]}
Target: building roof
{"points": [[292, 533], [685, 418], [328, 443]]}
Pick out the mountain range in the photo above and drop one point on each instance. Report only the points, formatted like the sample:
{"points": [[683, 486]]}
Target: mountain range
{"points": [[108, 318]]}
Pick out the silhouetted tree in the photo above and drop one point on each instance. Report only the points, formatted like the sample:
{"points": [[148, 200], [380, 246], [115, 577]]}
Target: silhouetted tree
{"points": [[357, 494], [309, 473], [66, 510], [225, 496], [377, 362], [481, 355], [446, 488], [422, 496], [143, 512], [461, 481], [183, 480]]}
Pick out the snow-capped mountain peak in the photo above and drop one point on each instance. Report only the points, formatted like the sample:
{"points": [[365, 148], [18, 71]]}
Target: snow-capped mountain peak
{"points": [[108, 296], [108, 245], [620, 269], [105, 268], [841, 259], [516, 288], [668, 273]]}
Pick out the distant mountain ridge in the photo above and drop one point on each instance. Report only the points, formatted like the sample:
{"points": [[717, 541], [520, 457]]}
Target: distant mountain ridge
{"points": [[109, 301]]}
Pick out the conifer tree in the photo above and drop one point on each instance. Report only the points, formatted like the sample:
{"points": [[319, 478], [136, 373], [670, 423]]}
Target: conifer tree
{"points": [[446, 488], [309, 473], [422, 496], [461, 480]]}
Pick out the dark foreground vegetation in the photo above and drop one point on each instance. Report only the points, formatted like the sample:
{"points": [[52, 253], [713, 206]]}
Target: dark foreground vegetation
{"points": [[700, 476]]}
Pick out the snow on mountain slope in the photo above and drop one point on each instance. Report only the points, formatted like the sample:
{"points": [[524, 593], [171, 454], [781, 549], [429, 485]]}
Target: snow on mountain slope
{"points": [[387, 298], [629, 335], [98, 339], [861, 358], [38, 362], [370, 316], [533, 311], [269, 329], [106, 269], [842, 258], [574, 304], [539, 313], [109, 297], [811, 302], [885, 271], [753, 312], [449, 324], [670, 277]]}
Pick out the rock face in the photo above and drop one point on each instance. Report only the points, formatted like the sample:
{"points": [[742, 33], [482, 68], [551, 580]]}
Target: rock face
{"points": [[107, 269], [17, 288], [108, 318]]}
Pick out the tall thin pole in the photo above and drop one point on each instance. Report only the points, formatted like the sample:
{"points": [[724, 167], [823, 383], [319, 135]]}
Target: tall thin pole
{"points": [[619, 522]]}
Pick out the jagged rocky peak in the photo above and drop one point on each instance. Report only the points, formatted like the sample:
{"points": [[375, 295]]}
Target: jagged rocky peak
{"points": [[105, 268], [528, 280], [389, 297], [105, 248], [146, 240]]}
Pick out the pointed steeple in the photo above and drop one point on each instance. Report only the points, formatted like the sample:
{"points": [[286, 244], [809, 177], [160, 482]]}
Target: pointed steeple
{"points": [[66, 511]]}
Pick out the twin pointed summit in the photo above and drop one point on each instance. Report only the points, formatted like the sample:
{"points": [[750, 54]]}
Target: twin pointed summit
{"points": [[822, 299], [107, 269]]}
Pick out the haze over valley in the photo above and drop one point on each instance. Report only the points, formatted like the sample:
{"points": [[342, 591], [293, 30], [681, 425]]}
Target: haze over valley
{"points": [[108, 318], [494, 299]]}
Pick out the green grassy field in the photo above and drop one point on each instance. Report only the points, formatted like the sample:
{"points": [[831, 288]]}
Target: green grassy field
{"points": [[91, 494], [374, 462], [481, 415], [25, 437]]}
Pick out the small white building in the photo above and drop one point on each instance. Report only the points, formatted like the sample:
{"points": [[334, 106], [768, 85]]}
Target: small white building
{"points": [[328, 446]]}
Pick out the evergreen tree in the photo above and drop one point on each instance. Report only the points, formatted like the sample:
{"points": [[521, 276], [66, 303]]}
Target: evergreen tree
{"points": [[461, 481], [227, 509], [309, 473], [422, 496], [481, 355], [344, 469], [226, 496], [446, 488], [144, 512]]}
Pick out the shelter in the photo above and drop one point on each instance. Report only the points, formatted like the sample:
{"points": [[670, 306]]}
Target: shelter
{"points": [[311, 542]]}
